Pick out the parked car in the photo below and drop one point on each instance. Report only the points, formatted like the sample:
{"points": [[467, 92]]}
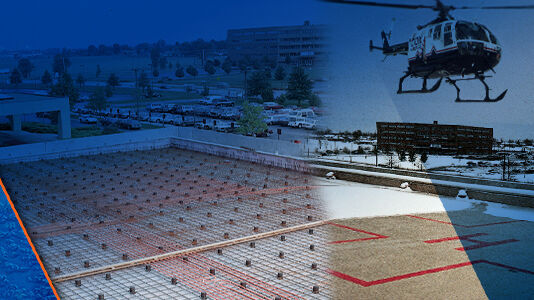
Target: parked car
{"points": [[143, 116], [230, 114], [303, 113], [223, 102], [282, 120], [156, 118], [272, 106], [107, 121], [201, 110], [174, 120], [167, 108], [154, 107], [129, 124], [88, 120], [209, 100], [183, 109], [303, 123], [215, 112], [223, 126], [188, 120], [202, 125]]}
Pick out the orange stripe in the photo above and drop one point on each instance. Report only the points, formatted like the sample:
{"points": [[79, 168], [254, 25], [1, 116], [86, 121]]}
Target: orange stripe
{"points": [[29, 240]]}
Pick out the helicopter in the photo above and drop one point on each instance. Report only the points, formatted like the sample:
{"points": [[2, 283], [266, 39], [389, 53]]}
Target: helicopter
{"points": [[445, 48]]}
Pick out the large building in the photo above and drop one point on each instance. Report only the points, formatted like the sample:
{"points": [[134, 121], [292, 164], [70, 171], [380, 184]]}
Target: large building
{"points": [[434, 138], [303, 44]]}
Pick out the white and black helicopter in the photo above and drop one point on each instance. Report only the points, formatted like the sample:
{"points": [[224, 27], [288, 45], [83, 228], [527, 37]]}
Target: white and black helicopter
{"points": [[445, 48]]}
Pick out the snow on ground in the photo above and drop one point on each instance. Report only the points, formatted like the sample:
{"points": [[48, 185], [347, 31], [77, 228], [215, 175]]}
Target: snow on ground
{"points": [[434, 161], [345, 199]]}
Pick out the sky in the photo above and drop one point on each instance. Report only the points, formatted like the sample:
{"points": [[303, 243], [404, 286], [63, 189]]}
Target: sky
{"points": [[79, 23], [363, 86]]}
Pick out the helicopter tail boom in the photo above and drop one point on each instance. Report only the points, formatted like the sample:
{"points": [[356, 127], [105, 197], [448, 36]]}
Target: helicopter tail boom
{"points": [[387, 49]]}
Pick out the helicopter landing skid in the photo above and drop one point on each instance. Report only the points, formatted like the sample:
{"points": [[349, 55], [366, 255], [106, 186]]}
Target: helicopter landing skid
{"points": [[482, 79], [423, 90]]}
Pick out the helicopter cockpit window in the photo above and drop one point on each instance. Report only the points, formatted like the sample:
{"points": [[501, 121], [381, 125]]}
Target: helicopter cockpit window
{"points": [[470, 31], [492, 38], [447, 35], [437, 32]]}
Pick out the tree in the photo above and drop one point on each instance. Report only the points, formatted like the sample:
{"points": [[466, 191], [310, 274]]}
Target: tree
{"points": [[143, 81], [391, 160], [113, 80], [206, 91], [162, 62], [412, 156], [25, 67], [209, 67], [424, 157], [97, 100], [375, 152], [116, 49], [192, 71], [179, 72], [251, 121], [80, 80], [227, 66], [299, 85], [61, 63], [259, 85], [46, 79], [155, 55], [98, 71], [287, 60], [280, 73], [92, 50], [109, 91], [315, 100], [268, 73], [65, 88], [282, 99], [15, 78], [401, 154], [356, 135]]}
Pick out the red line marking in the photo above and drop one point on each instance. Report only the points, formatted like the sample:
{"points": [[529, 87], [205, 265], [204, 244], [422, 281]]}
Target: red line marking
{"points": [[365, 283], [29, 240], [375, 235], [462, 237], [465, 226], [485, 244]]}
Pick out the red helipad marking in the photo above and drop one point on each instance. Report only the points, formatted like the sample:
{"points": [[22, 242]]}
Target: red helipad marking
{"points": [[365, 283], [461, 237], [480, 244], [469, 237], [465, 226], [375, 235]]}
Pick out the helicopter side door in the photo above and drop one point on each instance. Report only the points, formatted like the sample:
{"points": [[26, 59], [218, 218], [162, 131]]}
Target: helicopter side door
{"points": [[436, 41]]}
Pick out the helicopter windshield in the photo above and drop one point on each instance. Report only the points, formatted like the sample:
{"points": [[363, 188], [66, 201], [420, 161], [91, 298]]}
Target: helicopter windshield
{"points": [[492, 37], [470, 31]]}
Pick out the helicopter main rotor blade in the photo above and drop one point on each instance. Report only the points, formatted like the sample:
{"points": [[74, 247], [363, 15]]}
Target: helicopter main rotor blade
{"points": [[370, 3], [496, 7]]}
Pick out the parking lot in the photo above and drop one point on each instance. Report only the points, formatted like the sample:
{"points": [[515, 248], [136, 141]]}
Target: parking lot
{"points": [[289, 124]]}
